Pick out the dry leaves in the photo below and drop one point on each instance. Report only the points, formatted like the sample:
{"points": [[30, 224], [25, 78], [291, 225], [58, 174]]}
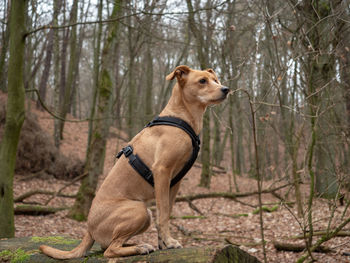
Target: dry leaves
{"points": [[224, 220]]}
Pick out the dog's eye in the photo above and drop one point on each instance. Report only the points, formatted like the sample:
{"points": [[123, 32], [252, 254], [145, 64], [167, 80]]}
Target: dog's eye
{"points": [[202, 81]]}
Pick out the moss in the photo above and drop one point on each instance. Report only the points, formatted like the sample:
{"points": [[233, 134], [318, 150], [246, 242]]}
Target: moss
{"points": [[79, 217], [53, 240], [5, 253], [17, 256], [193, 217], [266, 209], [239, 215]]}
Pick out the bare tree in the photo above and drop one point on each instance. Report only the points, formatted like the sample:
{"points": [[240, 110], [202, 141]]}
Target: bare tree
{"points": [[14, 116], [96, 151]]}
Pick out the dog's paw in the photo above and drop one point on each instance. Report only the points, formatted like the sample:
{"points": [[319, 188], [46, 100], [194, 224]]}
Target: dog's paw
{"points": [[169, 243], [145, 249]]}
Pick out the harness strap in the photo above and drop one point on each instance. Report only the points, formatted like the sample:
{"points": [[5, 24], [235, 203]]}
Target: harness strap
{"points": [[136, 162]]}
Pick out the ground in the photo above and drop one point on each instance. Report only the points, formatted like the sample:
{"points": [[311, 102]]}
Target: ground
{"points": [[222, 220]]}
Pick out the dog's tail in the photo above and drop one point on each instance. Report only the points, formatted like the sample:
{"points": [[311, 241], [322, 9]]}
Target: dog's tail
{"points": [[77, 252]]}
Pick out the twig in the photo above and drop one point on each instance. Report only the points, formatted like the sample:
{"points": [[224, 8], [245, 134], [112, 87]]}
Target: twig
{"points": [[66, 185], [193, 207], [183, 230]]}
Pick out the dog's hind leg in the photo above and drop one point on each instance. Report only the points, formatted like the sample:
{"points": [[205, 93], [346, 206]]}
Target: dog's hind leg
{"points": [[135, 221]]}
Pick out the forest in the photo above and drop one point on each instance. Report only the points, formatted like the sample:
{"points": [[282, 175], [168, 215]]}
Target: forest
{"points": [[79, 79]]}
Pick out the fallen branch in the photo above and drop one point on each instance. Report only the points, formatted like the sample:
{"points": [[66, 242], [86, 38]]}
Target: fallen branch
{"points": [[324, 238], [215, 169], [232, 216], [232, 196], [282, 246], [246, 244], [41, 192], [36, 209], [65, 186], [322, 233]]}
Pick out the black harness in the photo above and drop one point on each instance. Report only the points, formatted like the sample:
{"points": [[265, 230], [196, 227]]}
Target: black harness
{"points": [[140, 167]]}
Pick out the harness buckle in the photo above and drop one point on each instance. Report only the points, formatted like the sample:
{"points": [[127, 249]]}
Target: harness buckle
{"points": [[127, 150]]}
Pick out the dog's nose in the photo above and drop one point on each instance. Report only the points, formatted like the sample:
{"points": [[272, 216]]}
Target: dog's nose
{"points": [[225, 90]]}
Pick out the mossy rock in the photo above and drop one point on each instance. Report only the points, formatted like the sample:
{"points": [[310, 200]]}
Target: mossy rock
{"points": [[25, 249]]}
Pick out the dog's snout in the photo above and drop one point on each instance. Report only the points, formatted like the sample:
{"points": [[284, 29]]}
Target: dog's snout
{"points": [[225, 90]]}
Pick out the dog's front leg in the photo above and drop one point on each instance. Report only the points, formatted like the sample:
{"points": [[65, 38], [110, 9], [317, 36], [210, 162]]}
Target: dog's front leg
{"points": [[162, 193]]}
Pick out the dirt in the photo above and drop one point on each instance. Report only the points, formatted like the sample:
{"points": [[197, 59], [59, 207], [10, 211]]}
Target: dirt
{"points": [[219, 221]]}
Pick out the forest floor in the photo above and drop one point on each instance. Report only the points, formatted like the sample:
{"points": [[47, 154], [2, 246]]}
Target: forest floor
{"points": [[220, 221]]}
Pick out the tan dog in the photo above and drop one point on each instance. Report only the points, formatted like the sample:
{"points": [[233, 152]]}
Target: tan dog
{"points": [[119, 210]]}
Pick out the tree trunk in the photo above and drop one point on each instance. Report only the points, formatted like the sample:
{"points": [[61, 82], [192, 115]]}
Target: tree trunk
{"points": [[4, 49], [343, 35], [233, 153], [46, 70], [96, 67], [14, 117], [320, 71], [202, 55], [69, 84], [56, 50], [96, 152], [205, 154], [149, 84]]}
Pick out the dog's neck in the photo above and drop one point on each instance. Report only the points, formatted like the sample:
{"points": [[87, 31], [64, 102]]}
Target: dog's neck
{"points": [[178, 107]]}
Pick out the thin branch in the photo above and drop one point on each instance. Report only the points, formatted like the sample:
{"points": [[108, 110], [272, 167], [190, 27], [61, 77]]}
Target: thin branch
{"points": [[49, 26]]}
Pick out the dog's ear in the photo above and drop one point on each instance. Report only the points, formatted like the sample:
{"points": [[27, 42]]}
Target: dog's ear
{"points": [[211, 71], [179, 72]]}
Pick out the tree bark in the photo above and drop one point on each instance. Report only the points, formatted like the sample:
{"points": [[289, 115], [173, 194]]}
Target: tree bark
{"points": [[14, 116]]}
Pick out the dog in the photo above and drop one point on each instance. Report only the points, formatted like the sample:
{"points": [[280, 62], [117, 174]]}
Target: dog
{"points": [[118, 211]]}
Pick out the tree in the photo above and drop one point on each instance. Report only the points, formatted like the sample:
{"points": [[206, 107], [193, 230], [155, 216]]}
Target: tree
{"points": [[96, 151], [14, 116], [49, 51], [343, 52], [56, 56], [319, 73], [69, 84], [4, 48], [203, 59]]}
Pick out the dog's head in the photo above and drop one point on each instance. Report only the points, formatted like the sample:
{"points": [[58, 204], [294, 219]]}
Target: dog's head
{"points": [[202, 86]]}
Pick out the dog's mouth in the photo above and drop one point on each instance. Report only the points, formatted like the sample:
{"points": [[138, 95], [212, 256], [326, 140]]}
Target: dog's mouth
{"points": [[222, 98]]}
